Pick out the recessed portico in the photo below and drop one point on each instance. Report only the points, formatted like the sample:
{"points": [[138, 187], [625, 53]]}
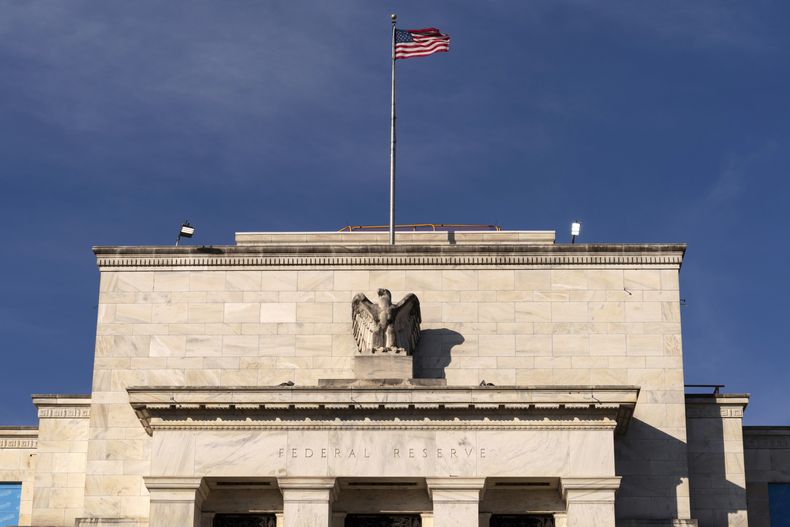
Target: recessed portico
{"points": [[452, 455]]}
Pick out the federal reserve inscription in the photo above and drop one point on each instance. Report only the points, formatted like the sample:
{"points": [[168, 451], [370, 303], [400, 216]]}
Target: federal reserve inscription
{"points": [[391, 453]]}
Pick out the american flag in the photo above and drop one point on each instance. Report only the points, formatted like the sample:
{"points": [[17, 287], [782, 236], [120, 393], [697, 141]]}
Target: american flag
{"points": [[420, 42]]}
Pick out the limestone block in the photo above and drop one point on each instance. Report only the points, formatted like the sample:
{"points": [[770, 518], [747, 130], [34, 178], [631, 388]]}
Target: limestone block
{"points": [[459, 280], [635, 279], [243, 280], [313, 313], [278, 312], [242, 312], [499, 280], [534, 344], [533, 311], [279, 280], [171, 281], [459, 312], [202, 346], [206, 313], [240, 345], [497, 345], [605, 279], [168, 346], [314, 280], [207, 281], [169, 313], [569, 312], [533, 280]]}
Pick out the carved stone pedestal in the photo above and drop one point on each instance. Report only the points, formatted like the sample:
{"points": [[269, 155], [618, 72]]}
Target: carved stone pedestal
{"points": [[383, 366]]}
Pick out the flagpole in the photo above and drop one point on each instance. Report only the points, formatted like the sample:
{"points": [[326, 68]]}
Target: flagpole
{"points": [[394, 18]]}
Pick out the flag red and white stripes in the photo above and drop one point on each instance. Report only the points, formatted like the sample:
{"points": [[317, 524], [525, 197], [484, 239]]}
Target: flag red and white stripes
{"points": [[420, 42]]}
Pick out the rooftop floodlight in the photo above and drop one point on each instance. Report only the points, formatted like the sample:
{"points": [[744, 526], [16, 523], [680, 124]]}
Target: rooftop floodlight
{"points": [[576, 228], [186, 231]]}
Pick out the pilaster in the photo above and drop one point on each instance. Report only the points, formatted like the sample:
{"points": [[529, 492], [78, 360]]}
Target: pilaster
{"points": [[175, 501], [307, 502], [455, 501], [589, 501]]}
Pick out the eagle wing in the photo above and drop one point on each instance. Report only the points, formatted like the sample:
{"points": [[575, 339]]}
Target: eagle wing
{"points": [[407, 323], [364, 317]]}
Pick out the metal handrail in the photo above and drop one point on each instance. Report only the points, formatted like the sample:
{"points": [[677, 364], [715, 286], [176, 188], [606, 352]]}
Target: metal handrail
{"points": [[424, 226]]}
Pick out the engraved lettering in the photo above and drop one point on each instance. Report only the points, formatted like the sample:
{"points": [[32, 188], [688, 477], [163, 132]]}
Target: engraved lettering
{"points": [[308, 452], [395, 452], [411, 453], [424, 452], [469, 451], [438, 452], [352, 454], [337, 452], [367, 454], [282, 452], [452, 452], [323, 453], [293, 452], [482, 453]]}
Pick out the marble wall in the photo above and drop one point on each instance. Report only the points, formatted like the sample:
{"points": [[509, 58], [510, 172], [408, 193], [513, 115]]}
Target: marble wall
{"points": [[60, 475], [556, 322], [18, 464], [716, 459]]}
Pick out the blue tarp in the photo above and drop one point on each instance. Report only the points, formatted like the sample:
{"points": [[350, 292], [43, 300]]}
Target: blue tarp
{"points": [[10, 494]]}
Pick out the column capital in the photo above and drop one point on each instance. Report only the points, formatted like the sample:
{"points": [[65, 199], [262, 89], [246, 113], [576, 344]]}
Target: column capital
{"points": [[455, 489], [589, 489], [170, 488], [308, 486]]}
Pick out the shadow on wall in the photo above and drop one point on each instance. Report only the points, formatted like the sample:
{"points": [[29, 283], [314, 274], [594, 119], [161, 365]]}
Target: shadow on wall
{"points": [[434, 352], [654, 465]]}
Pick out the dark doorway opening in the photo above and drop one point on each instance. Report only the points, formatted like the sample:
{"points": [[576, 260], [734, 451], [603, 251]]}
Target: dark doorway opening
{"points": [[521, 520], [383, 520], [245, 520]]}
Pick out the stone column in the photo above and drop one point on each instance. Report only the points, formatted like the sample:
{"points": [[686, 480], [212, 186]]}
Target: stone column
{"points": [[175, 501], [426, 519], [278, 519], [560, 519], [455, 501], [589, 501], [307, 502]]}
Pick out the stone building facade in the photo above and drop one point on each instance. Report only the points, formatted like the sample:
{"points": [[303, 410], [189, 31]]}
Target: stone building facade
{"points": [[547, 390]]}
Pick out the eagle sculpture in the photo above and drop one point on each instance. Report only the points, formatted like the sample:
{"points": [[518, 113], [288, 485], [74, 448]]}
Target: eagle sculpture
{"points": [[386, 327]]}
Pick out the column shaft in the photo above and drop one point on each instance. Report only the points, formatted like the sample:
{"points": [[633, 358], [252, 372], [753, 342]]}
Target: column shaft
{"points": [[455, 501], [307, 502], [590, 501]]}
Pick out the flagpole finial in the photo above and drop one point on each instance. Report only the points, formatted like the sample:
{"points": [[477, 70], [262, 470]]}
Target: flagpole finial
{"points": [[394, 17]]}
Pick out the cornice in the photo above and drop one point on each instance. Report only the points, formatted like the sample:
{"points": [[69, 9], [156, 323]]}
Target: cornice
{"points": [[384, 256], [15, 438], [446, 408]]}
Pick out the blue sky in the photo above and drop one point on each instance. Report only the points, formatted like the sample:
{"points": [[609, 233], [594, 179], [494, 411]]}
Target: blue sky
{"points": [[651, 121]]}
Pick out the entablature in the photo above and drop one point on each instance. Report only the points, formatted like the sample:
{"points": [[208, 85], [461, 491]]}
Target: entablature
{"points": [[385, 407]]}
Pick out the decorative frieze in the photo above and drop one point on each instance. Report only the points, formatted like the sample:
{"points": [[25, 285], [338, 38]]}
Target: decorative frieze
{"points": [[18, 443], [714, 411], [64, 412]]}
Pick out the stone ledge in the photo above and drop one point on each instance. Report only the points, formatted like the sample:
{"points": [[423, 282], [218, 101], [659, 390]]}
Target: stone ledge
{"points": [[311, 256]]}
